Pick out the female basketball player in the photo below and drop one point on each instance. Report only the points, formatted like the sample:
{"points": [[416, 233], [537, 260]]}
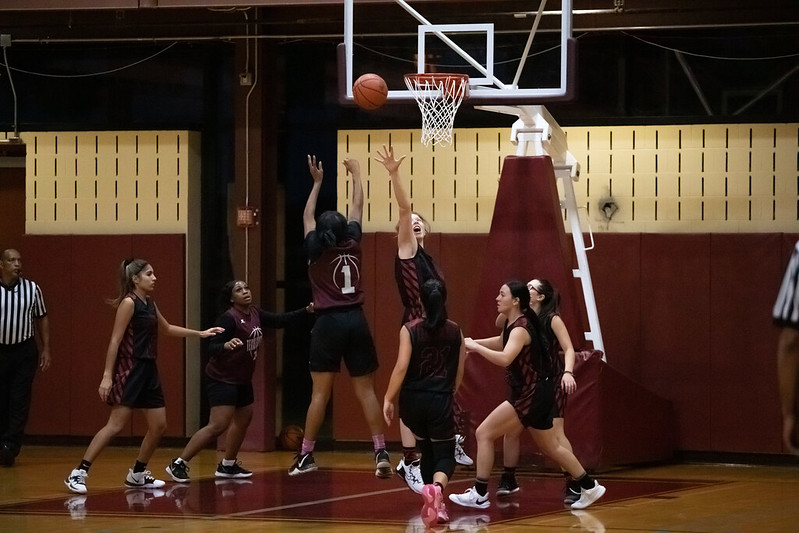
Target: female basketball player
{"points": [[230, 369], [130, 380], [341, 331], [412, 267], [545, 303], [521, 350], [428, 370]]}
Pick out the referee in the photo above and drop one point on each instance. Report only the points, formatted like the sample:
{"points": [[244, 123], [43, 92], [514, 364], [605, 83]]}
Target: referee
{"points": [[23, 327]]}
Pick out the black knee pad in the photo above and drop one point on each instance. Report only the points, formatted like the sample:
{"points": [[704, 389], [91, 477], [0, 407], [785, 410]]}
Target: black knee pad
{"points": [[444, 453]]}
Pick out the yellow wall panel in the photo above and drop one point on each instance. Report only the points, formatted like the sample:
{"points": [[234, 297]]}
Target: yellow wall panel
{"points": [[702, 174], [667, 208], [691, 161], [668, 161], [715, 137], [622, 162], [622, 185], [691, 209], [667, 138], [691, 185], [645, 161], [622, 138], [738, 208], [668, 184], [738, 185], [643, 210], [109, 182]]}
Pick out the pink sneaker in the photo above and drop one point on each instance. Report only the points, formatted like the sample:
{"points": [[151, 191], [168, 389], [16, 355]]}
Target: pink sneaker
{"points": [[433, 501], [443, 515]]}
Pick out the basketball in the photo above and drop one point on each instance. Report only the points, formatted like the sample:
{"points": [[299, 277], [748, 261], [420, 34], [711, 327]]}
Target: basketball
{"points": [[370, 91], [291, 438]]}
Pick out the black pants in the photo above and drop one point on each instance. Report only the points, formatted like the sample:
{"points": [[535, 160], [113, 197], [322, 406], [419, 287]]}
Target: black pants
{"points": [[18, 364]]}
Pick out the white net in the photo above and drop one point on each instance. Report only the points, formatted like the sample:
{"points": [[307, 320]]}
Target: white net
{"points": [[438, 96]]}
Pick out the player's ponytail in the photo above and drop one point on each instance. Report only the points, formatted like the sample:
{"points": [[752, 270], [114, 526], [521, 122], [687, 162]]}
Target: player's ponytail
{"points": [[127, 270], [433, 295], [332, 228]]}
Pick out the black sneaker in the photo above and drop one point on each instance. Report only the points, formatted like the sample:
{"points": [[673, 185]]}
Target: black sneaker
{"points": [[571, 492], [234, 471], [383, 464], [507, 485], [179, 471], [302, 464]]}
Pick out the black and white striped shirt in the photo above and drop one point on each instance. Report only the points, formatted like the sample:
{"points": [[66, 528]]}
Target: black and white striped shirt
{"points": [[19, 305]]}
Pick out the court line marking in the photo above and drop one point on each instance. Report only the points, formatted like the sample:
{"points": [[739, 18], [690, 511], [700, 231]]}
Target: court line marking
{"points": [[331, 500]]}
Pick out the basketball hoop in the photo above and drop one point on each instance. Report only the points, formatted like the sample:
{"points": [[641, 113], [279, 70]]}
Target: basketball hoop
{"points": [[439, 95]]}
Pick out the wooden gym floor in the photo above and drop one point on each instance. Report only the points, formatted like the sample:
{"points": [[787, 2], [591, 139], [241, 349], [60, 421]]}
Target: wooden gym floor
{"points": [[344, 495]]}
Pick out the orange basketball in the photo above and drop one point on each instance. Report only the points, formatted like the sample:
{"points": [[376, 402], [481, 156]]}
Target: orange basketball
{"points": [[291, 438], [370, 91]]}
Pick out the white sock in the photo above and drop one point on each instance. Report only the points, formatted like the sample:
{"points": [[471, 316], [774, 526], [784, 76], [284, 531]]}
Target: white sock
{"points": [[228, 462]]}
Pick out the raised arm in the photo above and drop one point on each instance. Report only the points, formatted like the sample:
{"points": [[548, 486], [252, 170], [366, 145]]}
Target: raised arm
{"points": [[309, 214], [356, 199], [406, 240]]}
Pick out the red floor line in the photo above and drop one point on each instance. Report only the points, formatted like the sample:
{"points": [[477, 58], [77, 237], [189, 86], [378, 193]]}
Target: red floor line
{"points": [[329, 500]]}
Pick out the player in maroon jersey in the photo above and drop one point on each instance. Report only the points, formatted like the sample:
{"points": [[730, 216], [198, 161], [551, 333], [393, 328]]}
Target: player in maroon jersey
{"points": [[545, 303], [130, 380], [413, 266], [427, 373], [521, 349], [230, 370], [333, 246]]}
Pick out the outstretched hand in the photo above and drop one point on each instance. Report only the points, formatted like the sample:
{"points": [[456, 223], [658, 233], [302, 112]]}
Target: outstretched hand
{"points": [[210, 332], [352, 166], [470, 344], [317, 173], [388, 160]]}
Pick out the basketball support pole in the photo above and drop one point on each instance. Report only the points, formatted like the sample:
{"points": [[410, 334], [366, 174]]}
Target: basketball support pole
{"points": [[536, 128]]}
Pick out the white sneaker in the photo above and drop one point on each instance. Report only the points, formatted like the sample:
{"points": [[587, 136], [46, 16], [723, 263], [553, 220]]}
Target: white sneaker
{"points": [[589, 496], [412, 475], [460, 456], [142, 480], [76, 482], [471, 498]]}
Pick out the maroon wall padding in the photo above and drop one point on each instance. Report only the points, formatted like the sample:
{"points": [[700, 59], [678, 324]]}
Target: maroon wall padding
{"points": [[611, 420], [735, 370], [675, 301], [78, 273], [615, 264]]}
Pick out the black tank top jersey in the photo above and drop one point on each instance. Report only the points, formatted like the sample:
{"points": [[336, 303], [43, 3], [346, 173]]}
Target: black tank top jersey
{"points": [[410, 274], [237, 366], [434, 357], [530, 365], [335, 273], [140, 340]]}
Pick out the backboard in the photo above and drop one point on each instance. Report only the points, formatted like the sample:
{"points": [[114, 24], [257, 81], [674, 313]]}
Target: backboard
{"points": [[511, 57]]}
